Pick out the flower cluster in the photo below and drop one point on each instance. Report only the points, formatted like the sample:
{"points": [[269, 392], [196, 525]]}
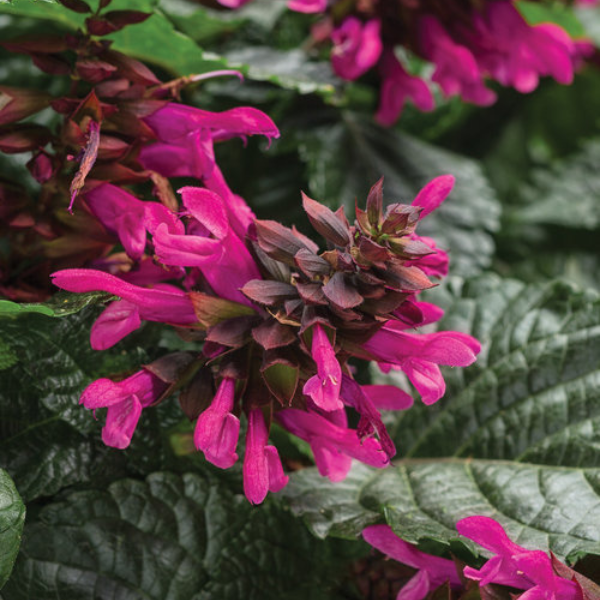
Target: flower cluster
{"points": [[115, 124], [280, 320], [538, 575], [467, 42]]}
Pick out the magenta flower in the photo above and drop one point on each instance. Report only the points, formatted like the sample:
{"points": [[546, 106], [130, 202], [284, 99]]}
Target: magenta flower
{"points": [[279, 319], [128, 218], [324, 387], [162, 303], [356, 47], [419, 355], [217, 429], [397, 86], [332, 444], [125, 401], [514, 565], [432, 571], [210, 244], [263, 471], [456, 70]]}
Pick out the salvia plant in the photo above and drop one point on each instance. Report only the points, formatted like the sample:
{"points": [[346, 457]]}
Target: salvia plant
{"points": [[330, 345]]}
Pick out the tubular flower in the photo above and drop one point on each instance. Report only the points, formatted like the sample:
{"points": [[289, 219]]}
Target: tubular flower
{"points": [[280, 319], [515, 566], [467, 42], [539, 576]]}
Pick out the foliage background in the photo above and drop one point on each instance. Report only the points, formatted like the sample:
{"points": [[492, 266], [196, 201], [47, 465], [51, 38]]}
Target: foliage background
{"points": [[516, 437]]}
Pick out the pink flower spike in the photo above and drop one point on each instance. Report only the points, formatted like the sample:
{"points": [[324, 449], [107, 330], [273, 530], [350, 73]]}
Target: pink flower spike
{"points": [[356, 47], [263, 471], [433, 194], [432, 570], [307, 6], [324, 387], [217, 430], [125, 401], [117, 321], [164, 305]]}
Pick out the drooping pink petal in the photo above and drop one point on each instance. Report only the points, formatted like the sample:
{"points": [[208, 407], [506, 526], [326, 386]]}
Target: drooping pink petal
{"points": [[121, 421], [117, 321], [315, 429], [324, 387], [433, 571], [263, 471], [397, 86], [217, 429]]}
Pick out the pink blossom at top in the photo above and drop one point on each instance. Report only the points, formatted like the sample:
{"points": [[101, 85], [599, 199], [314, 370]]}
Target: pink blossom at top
{"points": [[356, 47], [324, 387], [185, 148], [125, 401], [263, 471], [456, 70], [397, 86], [514, 565], [515, 53], [432, 571]]}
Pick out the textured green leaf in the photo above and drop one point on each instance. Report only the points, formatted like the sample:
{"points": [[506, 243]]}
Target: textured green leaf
{"points": [[12, 517], [346, 156], [288, 69], [568, 195], [168, 538], [534, 393], [46, 437], [551, 508]]}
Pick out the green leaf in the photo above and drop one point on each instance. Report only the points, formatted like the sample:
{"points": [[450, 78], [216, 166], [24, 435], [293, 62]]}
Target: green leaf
{"points": [[541, 507], [564, 16], [47, 439], [287, 69], [568, 195], [12, 518], [346, 156], [169, 537], [60, 305], [155, 41], [12, 309], [533, 395]]}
